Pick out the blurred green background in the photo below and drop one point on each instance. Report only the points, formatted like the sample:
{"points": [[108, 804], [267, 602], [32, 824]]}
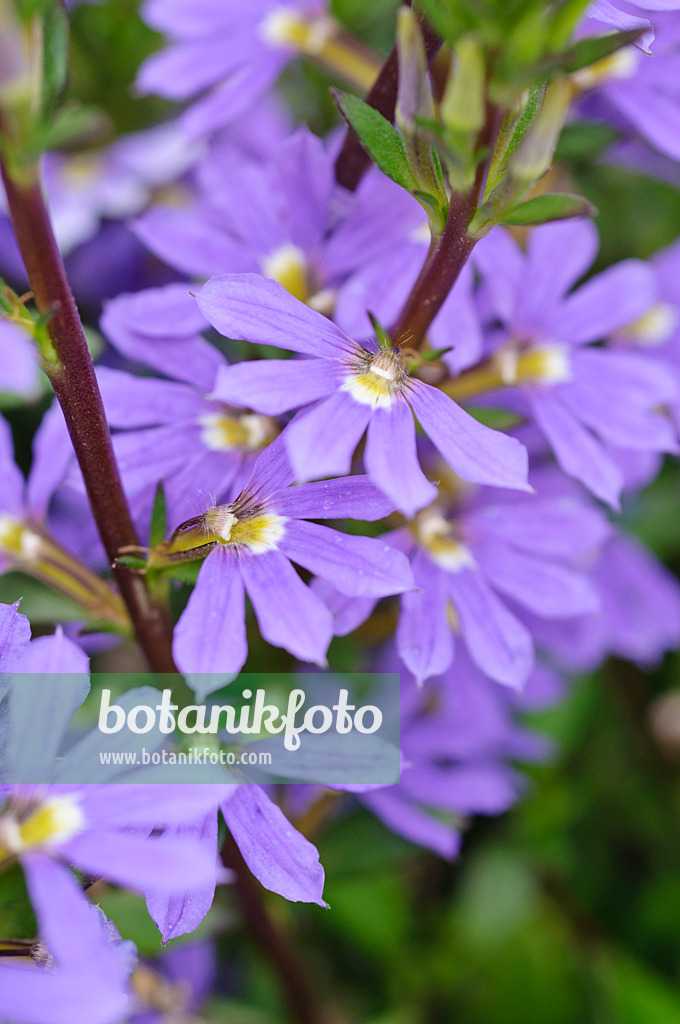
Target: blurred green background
{"points": [[567, 909]]}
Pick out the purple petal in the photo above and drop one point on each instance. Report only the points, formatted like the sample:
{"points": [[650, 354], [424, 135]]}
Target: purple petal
{"points": [[501, 262], [424, 637], [176, 915], [579, 454], [146, 401], [52, 458], [358, 566], [288, 613], [211, 633], [351, 497], [475, 452], [274, 386], [348, 612], [546, 588], [271, 472], [255, 309], [15, 634], [186, 68], [321, 440], [391, 459], [305, 179], [152, 806], [142, 864], [188, 242], [234, 96], [276, 853], [405, 818], [557, 256], [498, 642], [605, 304], [12, 493], [560, 526], [19, 370]]}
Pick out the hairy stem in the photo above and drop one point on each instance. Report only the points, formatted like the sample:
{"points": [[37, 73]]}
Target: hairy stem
{"points": [[302, 998], [353, 161], [447, 258], [73, 378]]}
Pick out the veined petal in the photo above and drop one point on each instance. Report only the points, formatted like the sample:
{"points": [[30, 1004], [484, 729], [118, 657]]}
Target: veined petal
{"points": [[321, 440], [12, 494], [141, 864], [275, 386], [558, 255], [186, 240], [211, 633], [276, 853], [497, 641], [391, 459], [546, 588], [288, 613], [475, 452], [145, 401], [358, 566], [424, 637], [255, 309], [181, 913], [579, 454], [350, 497], [15, 634], [605, 304]]}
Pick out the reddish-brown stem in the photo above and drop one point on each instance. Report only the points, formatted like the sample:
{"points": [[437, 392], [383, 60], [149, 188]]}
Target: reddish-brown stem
{"points": [[304, 1003], [75, 385], [446, 259], [353, 161]]}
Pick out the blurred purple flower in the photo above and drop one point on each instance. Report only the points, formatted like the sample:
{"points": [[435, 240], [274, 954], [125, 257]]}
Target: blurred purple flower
{"points": [[229, 51], [583, 398]]}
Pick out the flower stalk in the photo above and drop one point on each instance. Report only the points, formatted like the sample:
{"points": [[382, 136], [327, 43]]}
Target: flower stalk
{"points": [[72, 376]]}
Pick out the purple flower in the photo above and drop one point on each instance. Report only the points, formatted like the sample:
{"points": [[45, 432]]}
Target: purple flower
{"points": [[457, 755], [254, 539], [632, 89], [172, 430], [19, 369], [583, 398], [348, 389], [15, 634], [85, 979], [474, 564], [273, 217], [639, 617], [232, 51]]}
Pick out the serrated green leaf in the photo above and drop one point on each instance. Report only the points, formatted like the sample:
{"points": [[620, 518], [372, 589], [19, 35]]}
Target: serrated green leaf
{"points": [[539, 209], [159, 517], [380, 139]]}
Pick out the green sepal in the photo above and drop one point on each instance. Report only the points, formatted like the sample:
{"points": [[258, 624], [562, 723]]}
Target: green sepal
{"points": [[557, 206], [159, 517], [384, 340], [55, 53], [380, 139], [185, 572], [130, 562]]}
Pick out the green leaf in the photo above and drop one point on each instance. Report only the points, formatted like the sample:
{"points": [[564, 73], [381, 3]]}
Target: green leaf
{"points": [[185, 572], [539, 209], [584, 141], [131, 562], [55, 53], [594, 48], [72, 125], [380, 139], [159, 517]]}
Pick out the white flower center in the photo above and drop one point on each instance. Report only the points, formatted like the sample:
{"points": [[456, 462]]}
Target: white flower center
{"points": [[434, 533], [224, 433], [548, 364], [377, 379], [17, 540], [284, 27], [617, 66], [44, 825], [259, 533], [288, 266], [654, 327]]}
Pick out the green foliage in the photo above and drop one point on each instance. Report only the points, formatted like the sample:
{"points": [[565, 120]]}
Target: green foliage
{"points": [[380, 139], [559, 206]]}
